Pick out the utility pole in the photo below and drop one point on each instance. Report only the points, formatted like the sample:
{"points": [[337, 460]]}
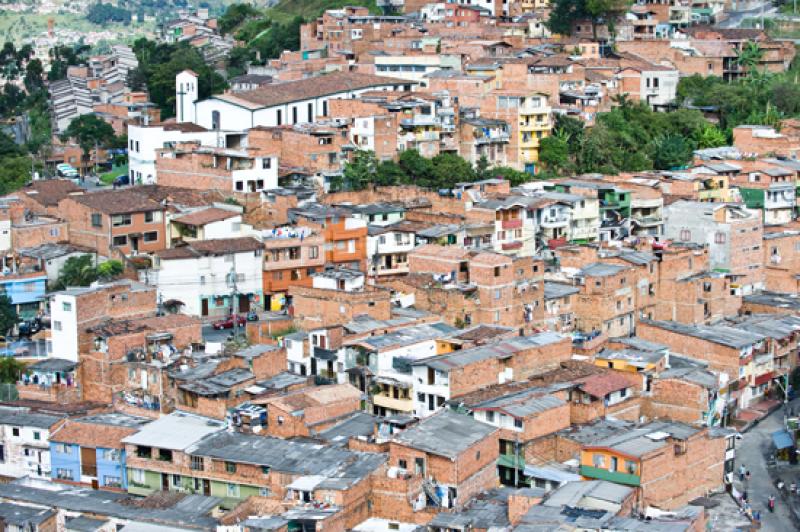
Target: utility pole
{"points": [[232, 284]]}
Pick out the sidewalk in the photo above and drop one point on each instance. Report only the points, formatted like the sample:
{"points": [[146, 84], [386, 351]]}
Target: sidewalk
{"points": [[748, 417]]}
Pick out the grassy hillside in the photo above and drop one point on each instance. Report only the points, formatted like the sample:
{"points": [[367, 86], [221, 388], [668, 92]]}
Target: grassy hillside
{"points": [[286, 10]]}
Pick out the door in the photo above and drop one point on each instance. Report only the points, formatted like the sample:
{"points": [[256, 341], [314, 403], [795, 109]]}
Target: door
{"points": [[204, 307], [206, 487], [244, 304], [135, 244], [89, 461], [164, 482]]}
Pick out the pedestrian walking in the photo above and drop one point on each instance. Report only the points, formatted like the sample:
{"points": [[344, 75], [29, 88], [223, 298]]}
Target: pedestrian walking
{"points": [[742, 471], [792, 488], [771, 503], [747, 475]]}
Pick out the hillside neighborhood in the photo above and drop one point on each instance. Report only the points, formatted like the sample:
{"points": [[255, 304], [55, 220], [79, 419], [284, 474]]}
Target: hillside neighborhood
{"points": [[445, 267]]}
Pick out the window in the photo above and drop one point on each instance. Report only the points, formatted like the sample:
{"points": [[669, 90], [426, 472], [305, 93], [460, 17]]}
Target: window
{"points": [[230, 467], [137, 476], [233, 490], [176, 480], [111, 455], [151, 236], [278, 117], [120, 240], [61, 448], [144, 452], [197, 463], [66, 306], [613, 465], [152, 216], [518, 423], [497, 293], [112, 482], [64, 474], [294, 115], [37, 435], [215, 120], [490, 416], [310, 112], [121, 219], [266, 163], [598, 460], [96, 222], [15, 431], [402, 464], [630, 467], [313, 252]]}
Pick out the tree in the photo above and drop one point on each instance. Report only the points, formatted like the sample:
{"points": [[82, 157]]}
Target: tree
{"points": [[563, 13], [77, 271], [8, 315], [101, 14], [34, 76], [359, 172], [10, 370], [482, 168], [15, 172], [109, 269], [554, 152], [234, 16], [449, 169], [89, 131], [711, 137], [389, 173], [749, 56], [8, 148], [605, 11], [671, 152], [513, 176], [417, 168]]}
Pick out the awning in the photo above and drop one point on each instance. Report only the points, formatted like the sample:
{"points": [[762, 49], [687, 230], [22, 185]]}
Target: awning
{"points": [[551, 473], [764, 378], [782, 440]]}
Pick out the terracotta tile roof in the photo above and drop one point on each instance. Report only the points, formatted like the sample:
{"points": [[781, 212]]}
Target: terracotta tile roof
{"points": [[603, 384], [187, 197], [50, 192], [206, 216], [117, 327], [306, 89], [315, 396], [202, 248], [118, 202], [92, 434]]}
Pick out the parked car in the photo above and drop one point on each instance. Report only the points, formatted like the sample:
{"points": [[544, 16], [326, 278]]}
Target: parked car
{"points": [[252, 316], [227, 323], [30, 327], [122, 180]]}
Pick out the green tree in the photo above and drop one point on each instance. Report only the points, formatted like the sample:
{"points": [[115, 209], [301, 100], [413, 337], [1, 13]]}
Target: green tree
{"points": [[513, 176], [8, 315], [77, 271], [15, 172], [671, 152], [90, 132], [10, 370], [8, 148], [711, 137], [563, 13], [359, 172], [417, 168], [554, 152], [34, 76], [449, 169], [109, 269], [235, 15], [482, 168], [605, 11], [749, 56], [389, 173]]}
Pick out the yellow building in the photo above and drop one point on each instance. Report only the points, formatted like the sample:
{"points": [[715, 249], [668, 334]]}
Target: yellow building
{"points": [[535, 123]]}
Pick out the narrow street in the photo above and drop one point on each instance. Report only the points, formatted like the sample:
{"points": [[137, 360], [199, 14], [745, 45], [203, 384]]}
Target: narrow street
{"points": [[751, 451]]}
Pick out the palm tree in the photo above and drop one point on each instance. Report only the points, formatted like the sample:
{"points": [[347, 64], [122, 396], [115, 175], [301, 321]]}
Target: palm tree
{"points": [[749, 56], [77, 271]]}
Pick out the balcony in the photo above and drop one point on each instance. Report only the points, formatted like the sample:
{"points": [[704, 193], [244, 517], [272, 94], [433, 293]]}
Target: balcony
{"points": [[515, 223], [402, 405], [555, 221], [425, 136], [648, 221], [510, 246], [493, 138]]}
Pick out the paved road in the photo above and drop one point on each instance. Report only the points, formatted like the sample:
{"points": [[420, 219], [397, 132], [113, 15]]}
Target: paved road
{"points": [[750, 451]]}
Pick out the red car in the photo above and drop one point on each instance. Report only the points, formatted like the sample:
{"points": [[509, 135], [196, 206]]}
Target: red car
{"points": [[227, 323]]}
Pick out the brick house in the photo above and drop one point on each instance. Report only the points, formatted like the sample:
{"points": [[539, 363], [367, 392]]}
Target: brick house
{"points": [[732, 233], [43, 196], [88, 450], [116, 355], [669, 463], [606, 302], [292, 255], [306, 411], [439, 378], [345, 236], [453, 454], [741, 355], [782, 261], [115, 222]]}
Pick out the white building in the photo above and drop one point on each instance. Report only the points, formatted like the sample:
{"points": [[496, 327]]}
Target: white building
{"points": [[25, 443], [388, 248], [342, 279], [291, 102], [203, 275], [64, 319], [143, 141], [415, 67]]}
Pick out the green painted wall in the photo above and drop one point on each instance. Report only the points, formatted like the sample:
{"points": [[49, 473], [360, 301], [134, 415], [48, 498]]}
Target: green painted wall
{"points": [[611, 476], [752, 197], [152, 482]]}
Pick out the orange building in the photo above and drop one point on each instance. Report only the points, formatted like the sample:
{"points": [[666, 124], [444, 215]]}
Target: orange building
{"points": [[345, 237]]}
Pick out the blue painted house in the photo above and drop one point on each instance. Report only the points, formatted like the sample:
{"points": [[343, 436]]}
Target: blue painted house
{"points": [[89, 450], [26, 291]]}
